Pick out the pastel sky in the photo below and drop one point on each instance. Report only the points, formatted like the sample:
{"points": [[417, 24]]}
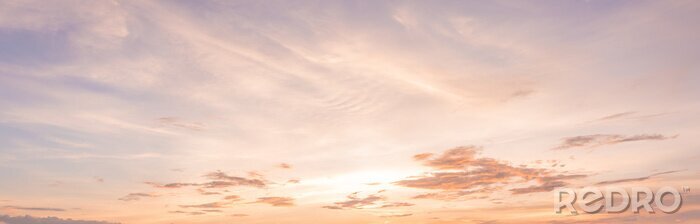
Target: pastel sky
{"points": [[376, 112]]}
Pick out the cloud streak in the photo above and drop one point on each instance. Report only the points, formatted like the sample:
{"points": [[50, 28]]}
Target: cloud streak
{"points": [[637, 179], [592, 141], [47, 220], [137, 196], [35, 208], [276, 201]]}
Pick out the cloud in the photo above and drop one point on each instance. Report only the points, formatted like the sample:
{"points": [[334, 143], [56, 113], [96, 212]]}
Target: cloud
{"points": [[276, 201], [369, 201], [171, 185], [212, 210], [222, 180], [204, 192], [35, 208], [48, 220], [544, 187], [626, 180], [355, 202], [460, 173], [137, 196], [284, 166], [396, 215], [218, 180], [548, 183], [239, 215], [220, 204], [190, 213], [396, 204], [456, 158], [476, 172], [233, 198], [616, 116], [454, 195], [592, 141], [178, 123]]}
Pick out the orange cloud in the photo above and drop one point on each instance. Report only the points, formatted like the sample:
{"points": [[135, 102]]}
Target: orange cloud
{"points": [[233, 198], [276, 201], [461, 173], [455, 158]]}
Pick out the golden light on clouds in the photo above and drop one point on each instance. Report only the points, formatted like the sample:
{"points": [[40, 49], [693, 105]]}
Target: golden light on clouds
{"points": [[405, 112]]}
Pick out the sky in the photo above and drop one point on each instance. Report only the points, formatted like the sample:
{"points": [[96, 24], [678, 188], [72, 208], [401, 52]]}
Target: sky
{"points": [[376, 112]]}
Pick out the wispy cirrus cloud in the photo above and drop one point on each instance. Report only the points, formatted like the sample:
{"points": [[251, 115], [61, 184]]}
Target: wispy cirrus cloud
{"points": [[592, 141], [636, 179], [616, 116], [179, 123]]}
